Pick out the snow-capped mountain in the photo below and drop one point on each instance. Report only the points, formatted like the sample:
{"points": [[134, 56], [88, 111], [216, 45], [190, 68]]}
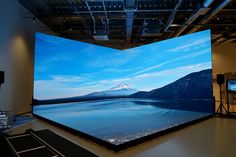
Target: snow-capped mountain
{"points": [[120, 86], [120, 90]]}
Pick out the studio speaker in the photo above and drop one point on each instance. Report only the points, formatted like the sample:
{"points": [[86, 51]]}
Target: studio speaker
{"points": [[1, 77], [220, 79]]}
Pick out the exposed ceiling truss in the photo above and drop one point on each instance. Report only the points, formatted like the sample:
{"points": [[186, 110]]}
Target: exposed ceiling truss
{"points": [[128, 23]]}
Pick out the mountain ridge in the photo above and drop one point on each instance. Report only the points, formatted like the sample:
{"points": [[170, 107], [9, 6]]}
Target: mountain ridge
{"points": [[196, 85], [120, 90]]}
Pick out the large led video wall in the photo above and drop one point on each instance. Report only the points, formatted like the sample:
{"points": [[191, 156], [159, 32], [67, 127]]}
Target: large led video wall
{"points": [[119, 96]]}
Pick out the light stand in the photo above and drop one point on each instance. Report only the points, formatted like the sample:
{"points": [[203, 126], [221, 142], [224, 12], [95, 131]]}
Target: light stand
{"points": [[221, 106]]}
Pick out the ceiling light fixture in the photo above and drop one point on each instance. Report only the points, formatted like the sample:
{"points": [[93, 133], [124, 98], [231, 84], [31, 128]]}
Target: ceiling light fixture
{"points": [[33, 20], [64, 19]]}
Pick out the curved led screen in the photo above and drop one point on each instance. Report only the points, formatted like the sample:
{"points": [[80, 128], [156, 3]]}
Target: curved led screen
{"points": [[101, 91]]}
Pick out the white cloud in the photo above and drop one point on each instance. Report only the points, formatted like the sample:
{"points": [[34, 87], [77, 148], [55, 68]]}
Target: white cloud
{"points": [[112, 60], [173, 60], [67, 79], [182, 69], [40, 69], [48, 89], [116, 70], [174, 72], [60, 86], [190, 45], [56, 87], [158, 79]]}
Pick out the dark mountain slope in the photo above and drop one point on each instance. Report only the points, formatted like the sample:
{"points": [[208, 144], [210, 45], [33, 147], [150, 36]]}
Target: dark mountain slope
{"points": [[197, 85]]}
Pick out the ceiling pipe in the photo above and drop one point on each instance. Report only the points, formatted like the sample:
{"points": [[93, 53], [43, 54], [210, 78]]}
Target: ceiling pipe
{"points": [[105, 11], [129, 9], [140, 11], [210, 25], [77, 12], [107, 20], [172, 16], [94, 22], [228, 41], [226, 36], [213, 13], [201, 11]]}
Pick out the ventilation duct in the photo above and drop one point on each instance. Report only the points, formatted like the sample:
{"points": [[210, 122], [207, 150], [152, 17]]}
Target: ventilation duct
{"points": [[200, 11], [211, 15]]}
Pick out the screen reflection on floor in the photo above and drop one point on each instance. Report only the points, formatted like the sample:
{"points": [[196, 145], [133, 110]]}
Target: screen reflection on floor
{"points": [[119, 120]]}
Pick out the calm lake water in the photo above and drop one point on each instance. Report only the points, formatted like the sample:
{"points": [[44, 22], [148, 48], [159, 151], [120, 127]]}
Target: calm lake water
{"points": [[118, 120]]}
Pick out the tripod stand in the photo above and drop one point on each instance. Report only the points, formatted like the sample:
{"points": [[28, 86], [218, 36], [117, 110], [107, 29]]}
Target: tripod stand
{"points": [[221, 106]]}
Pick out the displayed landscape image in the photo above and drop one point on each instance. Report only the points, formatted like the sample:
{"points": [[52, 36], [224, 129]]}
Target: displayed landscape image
{"points": [[67, 69], [232, 85], [121, 95]]}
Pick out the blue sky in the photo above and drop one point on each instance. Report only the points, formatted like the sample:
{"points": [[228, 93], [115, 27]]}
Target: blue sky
{"points": [[65, 68]]}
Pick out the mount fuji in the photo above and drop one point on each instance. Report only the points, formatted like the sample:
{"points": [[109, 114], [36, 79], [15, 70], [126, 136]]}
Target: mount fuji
{"points": [[120, 90]]}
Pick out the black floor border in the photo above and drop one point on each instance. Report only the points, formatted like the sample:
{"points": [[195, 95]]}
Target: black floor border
{"points": [[121, 147]]}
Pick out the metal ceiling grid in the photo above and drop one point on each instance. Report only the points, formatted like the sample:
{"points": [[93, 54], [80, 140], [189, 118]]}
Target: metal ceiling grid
{"points": [[128, 23]]}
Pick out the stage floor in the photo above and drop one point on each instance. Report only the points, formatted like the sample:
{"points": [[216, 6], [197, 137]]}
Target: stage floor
{"points": [[214, 137]]}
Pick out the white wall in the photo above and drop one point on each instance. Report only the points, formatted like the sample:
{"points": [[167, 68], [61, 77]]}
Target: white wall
{"points": [[224, 58], [16, 56], [224, 61]]}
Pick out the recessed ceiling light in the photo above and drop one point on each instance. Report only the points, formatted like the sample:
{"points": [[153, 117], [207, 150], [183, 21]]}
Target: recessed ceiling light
{"points": [[33, 20], [64, 19]]}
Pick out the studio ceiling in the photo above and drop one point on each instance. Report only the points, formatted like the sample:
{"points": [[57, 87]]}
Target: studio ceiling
{"points": [[128, 23]]}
